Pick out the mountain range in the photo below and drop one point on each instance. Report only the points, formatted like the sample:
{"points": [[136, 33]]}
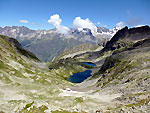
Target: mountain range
{"points": [[48, 44]]}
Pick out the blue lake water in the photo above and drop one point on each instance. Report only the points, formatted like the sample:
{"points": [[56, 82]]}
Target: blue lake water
{"points": [[80, 77], [89, 63]]}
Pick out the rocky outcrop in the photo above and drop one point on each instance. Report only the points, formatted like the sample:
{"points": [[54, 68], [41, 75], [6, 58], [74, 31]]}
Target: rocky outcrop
{"points": [[127, 36]]}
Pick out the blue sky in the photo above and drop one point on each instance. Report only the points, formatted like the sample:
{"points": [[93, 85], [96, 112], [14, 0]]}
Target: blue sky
{"points": [[107, 12]]}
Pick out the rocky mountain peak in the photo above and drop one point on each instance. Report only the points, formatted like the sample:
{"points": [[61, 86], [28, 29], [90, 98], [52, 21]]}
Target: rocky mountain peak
{"points": [[141, 29], [125, 36], [120, 34]]}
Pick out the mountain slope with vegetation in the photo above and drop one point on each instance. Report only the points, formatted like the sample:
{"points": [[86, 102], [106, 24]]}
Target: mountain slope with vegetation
{"points": [[119, 81], [25, 79]]}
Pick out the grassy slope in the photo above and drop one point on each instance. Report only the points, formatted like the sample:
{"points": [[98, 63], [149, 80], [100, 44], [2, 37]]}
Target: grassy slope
{"points": [[24, 80]]}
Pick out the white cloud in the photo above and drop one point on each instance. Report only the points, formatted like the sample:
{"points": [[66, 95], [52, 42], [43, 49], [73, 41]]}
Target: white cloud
{"points": [[55, 20], [84, 23], [62, 29], [120, 25], [98, 23], [23, 21]]}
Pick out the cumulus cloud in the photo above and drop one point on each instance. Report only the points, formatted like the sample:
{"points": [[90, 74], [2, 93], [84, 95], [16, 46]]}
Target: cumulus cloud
{"points": [[62, 29], [98, 23], [120, 25], [24, 21], [55, 20], [80, 23]]}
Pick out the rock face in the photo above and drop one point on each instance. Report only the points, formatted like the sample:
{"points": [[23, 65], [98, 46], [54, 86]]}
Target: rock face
{"points": [[103, 29], [126, 36]]}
